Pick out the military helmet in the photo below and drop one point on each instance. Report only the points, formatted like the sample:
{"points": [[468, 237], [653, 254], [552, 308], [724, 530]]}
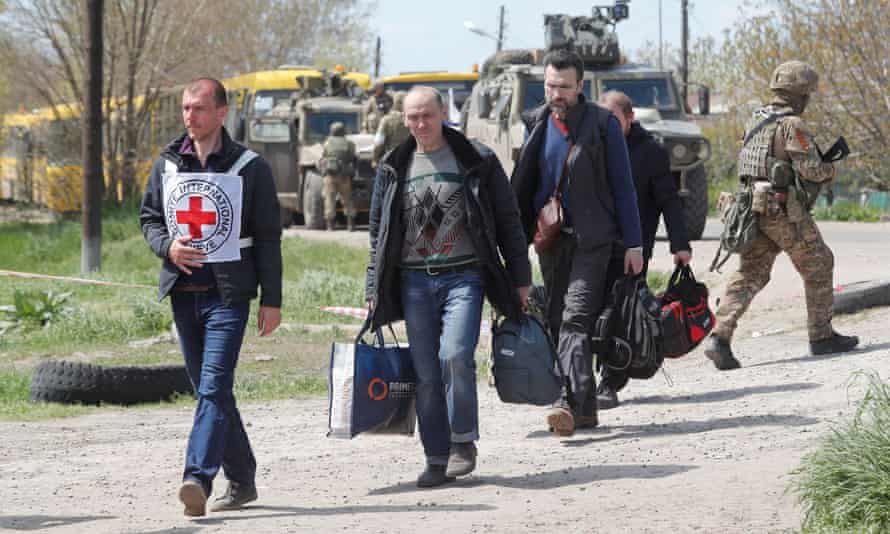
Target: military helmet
{"points": [[398, 100], [338, 128], [795, 77]]}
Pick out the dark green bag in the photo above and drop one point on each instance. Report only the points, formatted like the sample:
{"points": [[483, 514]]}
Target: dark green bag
{"points": [[739, 231]]}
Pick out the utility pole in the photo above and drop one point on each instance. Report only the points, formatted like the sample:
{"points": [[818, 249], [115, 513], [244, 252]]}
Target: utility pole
{"points": [[685, 51], [91, 233], [660, 40], [501, 29], [377, 59]]}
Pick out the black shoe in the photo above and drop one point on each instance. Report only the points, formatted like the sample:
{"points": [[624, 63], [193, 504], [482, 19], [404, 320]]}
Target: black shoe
{"points": [[235, 497], [462, 459], [606, 397], [432, 476], [720, 353], [834, 344]]}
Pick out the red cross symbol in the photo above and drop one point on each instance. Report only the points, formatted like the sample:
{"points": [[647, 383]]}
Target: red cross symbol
{"points": [[195, 217]]}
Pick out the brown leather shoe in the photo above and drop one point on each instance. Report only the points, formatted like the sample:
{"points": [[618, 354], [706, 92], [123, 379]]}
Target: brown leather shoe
{"points": [[561, 421], [586, 421], [193, 496]]}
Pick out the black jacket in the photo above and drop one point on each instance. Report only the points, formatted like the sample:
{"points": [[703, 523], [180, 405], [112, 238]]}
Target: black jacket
{"points": [[656, 190], [589, 193], [260, 219], [493, 225]]}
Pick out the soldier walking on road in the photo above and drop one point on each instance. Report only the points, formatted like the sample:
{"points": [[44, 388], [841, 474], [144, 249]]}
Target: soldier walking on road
{"points": [[392, 131], [779, 160], [338, 166]]}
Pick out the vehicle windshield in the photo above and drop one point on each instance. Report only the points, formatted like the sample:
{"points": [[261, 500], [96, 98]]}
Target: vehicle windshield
{"points": [[266, 131], [534, 93], [645, 93], [266, 100], [318, 124], [461, 88]]}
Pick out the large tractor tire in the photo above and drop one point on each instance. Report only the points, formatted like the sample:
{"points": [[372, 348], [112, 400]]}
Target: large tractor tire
{"points": [[83, 383], [313, 201], [695, 204]]}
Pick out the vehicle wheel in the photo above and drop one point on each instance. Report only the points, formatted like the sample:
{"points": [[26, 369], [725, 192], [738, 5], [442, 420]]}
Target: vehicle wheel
{"points": [[287, 217], [695, 205], [82, 383], [850, 298], [313, 202]]}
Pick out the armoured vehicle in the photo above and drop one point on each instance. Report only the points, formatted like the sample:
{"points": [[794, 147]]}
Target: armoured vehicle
{"points": [[290, 136], [512, 82]]}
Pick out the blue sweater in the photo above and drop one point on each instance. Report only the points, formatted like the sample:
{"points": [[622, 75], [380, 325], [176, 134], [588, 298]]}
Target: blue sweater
{"points": [[553, 157]]}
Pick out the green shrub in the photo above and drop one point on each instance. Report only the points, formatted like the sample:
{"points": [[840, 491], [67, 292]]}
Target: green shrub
{"points": [[844, 486], [847, 211], [37, 308]]}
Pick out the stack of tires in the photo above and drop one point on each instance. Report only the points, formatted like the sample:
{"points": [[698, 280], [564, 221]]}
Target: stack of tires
{"points": [[83, 383]]}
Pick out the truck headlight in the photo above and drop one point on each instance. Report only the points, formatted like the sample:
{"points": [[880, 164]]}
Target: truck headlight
{"points": [[679, 151]]}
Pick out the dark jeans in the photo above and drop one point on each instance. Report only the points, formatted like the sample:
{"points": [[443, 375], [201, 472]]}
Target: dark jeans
{"points": [[442, 316], [210, 334], [575, 280]]}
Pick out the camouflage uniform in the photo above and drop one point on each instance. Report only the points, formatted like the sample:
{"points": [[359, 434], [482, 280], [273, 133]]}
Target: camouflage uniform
{"points": [[787, 224], [338, 166], [392, 130], [376, 107]]}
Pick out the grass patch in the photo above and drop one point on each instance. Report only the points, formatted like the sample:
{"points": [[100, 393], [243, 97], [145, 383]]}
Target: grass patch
{"points": [[15, 403], [847, 211], [844, 486], [658, 280]]}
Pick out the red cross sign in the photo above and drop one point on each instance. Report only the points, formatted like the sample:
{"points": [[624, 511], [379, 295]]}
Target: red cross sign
{"points": [[195, 217]]}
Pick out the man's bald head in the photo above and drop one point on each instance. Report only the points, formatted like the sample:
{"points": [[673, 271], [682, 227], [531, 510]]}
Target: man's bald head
{"points": [[424, 111], [425, 94], [621, 106]]}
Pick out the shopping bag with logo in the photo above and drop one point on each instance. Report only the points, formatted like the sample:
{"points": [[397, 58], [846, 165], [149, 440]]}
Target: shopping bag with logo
{"points": [[371, 388], [686, 319]]}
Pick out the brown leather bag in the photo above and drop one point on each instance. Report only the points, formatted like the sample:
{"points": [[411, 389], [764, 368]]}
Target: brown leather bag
{"points": [[551, 218], [549, 223]]}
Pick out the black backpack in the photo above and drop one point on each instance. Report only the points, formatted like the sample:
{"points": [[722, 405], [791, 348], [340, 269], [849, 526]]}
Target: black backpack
{"points": [[627, 334], [523, 361]]}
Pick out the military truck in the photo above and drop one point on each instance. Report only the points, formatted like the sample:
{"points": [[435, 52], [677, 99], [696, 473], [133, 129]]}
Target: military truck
{"points": [[512, 82], [290, 136]]}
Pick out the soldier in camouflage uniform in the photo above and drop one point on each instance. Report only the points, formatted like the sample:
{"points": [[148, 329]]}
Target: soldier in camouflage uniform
{"points": [[392, 131], [376, 107], [779, 158], [338, 162]]}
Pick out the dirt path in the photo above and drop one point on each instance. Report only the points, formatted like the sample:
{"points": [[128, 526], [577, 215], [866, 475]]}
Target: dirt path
{"points": [[707, 452]]}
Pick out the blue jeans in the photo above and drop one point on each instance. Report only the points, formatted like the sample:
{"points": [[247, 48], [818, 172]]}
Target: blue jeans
{"points": [[442, 315], [210, 334]]}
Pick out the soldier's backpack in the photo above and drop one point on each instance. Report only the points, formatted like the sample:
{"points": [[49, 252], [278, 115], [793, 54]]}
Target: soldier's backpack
{"points": [[627, 333], [338, 159]]}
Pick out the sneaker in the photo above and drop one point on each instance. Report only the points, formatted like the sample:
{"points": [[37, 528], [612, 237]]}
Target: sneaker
{"points": [[720, 353], [193, 496], [606, 397], [462, 460], [235, 497], [834, 344], [432, 476], [561, 421]]}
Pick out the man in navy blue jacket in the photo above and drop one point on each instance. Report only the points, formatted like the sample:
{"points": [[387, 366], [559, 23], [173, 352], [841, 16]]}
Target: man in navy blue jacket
{"points": [[656, 195], [576, 147]]}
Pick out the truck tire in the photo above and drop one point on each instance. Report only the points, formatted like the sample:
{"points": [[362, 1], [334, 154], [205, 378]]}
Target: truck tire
{"points": [[83, 383], [313, 201], [695, 204], [850, 298]]}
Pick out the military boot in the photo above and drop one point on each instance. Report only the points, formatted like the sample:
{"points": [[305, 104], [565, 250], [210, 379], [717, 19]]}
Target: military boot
{"points": [[350, 224], [834, 344], [719, 352], [329, 224]]}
